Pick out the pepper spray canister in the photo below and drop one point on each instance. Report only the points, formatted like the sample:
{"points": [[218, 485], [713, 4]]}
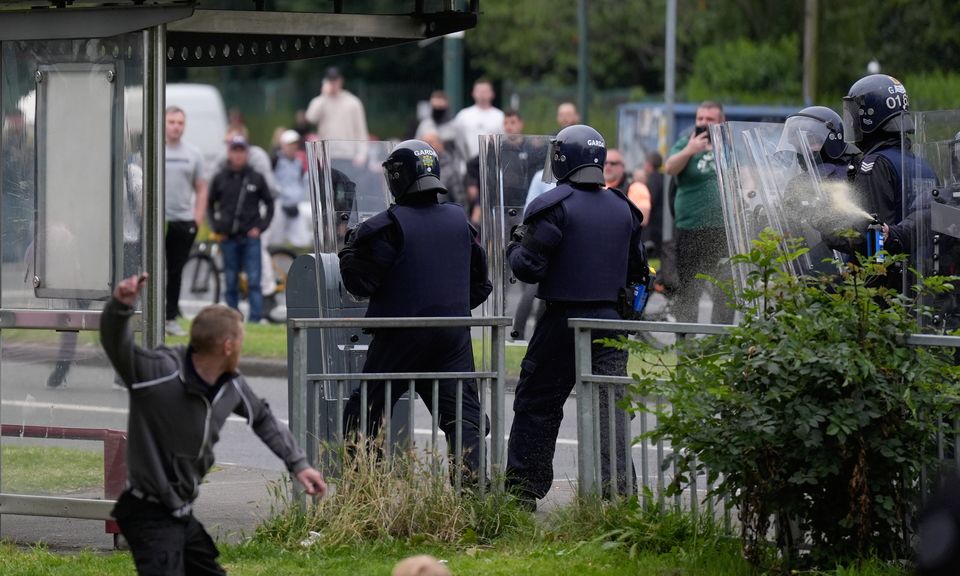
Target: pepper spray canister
{"points": [[875, 240]]}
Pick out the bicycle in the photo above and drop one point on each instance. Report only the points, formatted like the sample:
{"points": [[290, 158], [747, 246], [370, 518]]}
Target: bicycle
{"points": [[203, 275]]}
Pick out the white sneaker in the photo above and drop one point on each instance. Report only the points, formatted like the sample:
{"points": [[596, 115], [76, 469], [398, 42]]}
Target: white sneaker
{"points": [[174, 329]]}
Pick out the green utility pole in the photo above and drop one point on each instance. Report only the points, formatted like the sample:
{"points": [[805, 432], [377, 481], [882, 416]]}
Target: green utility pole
{"points": [[453, 69], [583, 68], [453, 63], [810, 52]]}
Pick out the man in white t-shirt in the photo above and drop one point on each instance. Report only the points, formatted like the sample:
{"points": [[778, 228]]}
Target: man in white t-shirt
{"points": [[186, 201], [481, 118], [339, 115]]}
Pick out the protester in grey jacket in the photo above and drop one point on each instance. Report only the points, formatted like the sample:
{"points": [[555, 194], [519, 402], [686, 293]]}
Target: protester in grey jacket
{"points": [[180, 397]]}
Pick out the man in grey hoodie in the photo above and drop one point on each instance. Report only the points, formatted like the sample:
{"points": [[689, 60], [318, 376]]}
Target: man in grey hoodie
{"points": [[179, 399]]}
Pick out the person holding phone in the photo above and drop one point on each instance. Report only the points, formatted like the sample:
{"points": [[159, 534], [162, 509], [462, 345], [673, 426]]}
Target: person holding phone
{"points": [[701, 238]]}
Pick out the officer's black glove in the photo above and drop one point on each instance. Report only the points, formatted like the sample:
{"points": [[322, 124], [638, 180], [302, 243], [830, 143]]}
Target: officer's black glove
{"points": [[518, 232], [350, 236]]}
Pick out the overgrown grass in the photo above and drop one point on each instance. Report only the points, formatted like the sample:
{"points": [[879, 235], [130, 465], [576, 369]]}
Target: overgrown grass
{"points": [[400, 499], [50, 469]]}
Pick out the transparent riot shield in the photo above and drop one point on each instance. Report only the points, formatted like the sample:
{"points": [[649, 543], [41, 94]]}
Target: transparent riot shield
{"points": [[931, 201], [751, 176], [346, 187], [510, 178], [817, 198], [770, 179]]}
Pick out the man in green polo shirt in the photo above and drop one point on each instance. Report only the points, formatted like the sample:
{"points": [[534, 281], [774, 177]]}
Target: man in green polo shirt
{"points": [[701, 238]]}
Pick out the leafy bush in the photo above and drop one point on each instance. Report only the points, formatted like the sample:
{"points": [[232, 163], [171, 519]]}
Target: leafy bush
{"points": [[811, 411]]}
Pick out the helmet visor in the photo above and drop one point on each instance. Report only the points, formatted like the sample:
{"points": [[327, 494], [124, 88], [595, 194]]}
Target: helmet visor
{"points": [[548, 176], [852, 132], [802, 128]]}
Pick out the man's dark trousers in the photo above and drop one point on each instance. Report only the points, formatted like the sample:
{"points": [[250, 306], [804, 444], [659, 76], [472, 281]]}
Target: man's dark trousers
{"points": [[178, 243], [547, 376], [163, 545], [423, 350]]}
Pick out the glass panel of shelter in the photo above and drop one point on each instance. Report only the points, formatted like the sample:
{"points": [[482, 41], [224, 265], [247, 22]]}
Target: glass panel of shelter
{"points": [[57, 385]]}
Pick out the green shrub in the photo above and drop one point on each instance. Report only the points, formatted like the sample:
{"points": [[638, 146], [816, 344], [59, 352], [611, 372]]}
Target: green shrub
{"points": [[811, 411]]}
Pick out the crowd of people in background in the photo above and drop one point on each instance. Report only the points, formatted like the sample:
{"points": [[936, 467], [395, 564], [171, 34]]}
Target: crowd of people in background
{"points": [[338, 114]]}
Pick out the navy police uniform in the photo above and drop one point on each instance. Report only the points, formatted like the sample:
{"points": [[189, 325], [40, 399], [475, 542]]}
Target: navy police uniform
{"points": [[419, 258], [876, 115], [582, 244]]}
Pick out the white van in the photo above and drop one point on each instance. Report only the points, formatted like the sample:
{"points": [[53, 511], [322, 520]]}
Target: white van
{"points": [[206, 117], [203, 105], [206, 114]]}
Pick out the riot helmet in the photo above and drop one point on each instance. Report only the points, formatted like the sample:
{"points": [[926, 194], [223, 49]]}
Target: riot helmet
{"points": [[576, 155], [876, 103], [822, 131], [413, 166]]}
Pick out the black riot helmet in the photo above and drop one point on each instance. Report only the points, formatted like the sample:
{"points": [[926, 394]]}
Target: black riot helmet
{"points": [[876, 103], [577, 154], [821, 129], [413, 166]]}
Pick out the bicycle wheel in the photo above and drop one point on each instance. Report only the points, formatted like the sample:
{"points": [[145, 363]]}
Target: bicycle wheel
{"points": [[201, 281], [282, 259]]}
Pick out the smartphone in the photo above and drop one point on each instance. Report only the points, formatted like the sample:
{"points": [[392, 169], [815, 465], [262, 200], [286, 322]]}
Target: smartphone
{"points": [[700, 130]]}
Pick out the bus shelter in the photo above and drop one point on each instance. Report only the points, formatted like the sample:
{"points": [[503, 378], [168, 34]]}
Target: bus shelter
{"points": [[82, 204]]}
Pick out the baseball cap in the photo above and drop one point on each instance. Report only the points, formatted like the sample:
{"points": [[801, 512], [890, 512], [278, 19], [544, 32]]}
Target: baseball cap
{"points": [[333, 73], [289, 137], [237, 142]]}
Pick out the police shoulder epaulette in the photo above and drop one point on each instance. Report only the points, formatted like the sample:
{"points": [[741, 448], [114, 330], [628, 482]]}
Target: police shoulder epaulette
{"points": [[547, 200], [625, 198], [374, 224], [866, 167]]}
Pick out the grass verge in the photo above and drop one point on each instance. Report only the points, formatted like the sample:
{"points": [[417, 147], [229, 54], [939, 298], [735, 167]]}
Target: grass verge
{"points": [[382, 512], [538, 553], [50, 470]]}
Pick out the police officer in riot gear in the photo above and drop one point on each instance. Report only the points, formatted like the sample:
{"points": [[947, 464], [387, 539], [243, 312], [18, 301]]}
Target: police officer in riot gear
{"points": [[581, 242], [418, 258], [816, 130], [822, 131], [875, 118]]}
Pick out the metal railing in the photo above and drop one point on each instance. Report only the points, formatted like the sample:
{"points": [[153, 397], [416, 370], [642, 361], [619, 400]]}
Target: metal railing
{"points": [[588, 386], [588, 389], [308, 390], [114, 475]]}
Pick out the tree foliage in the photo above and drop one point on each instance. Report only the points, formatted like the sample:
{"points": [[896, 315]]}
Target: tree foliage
{"points": [[536, 41], [747, 72]]}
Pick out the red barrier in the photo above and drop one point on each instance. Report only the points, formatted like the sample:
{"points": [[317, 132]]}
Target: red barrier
{"points": [[114, 453]]}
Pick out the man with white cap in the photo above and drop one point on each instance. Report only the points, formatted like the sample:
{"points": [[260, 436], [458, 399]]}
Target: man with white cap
{"points": [[291, 175]]}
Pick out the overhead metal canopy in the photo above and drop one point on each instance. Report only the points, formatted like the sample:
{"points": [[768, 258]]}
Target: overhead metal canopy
{"points": [[197, 37]]}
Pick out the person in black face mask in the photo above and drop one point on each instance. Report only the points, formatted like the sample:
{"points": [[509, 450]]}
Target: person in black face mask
{"points": [[439, 119]]}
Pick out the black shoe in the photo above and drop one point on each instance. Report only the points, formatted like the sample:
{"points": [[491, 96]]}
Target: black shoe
{"points": [[525, 500], [58, 378], [526, 503]]}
